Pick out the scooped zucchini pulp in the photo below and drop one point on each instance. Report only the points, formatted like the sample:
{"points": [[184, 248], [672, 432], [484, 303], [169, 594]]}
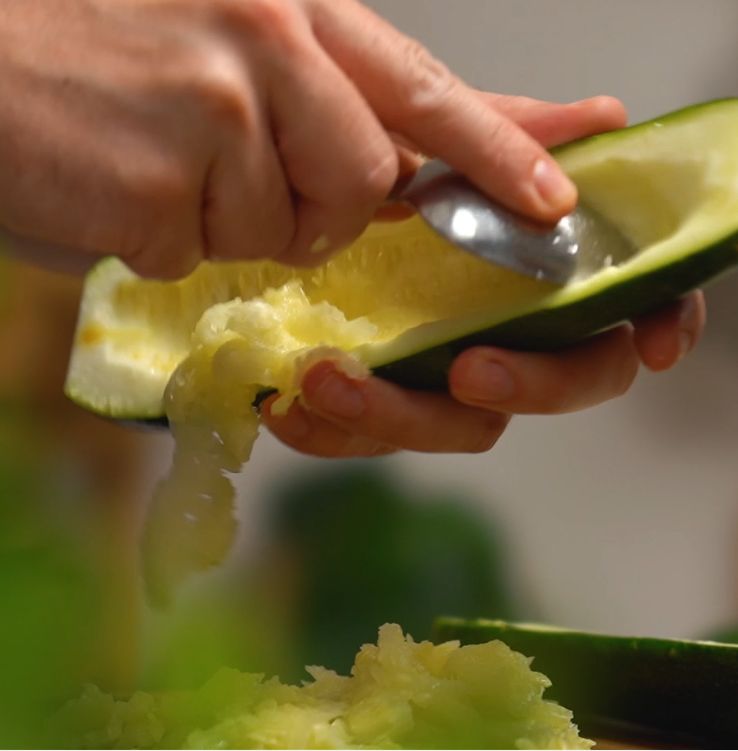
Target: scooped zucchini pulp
{"points": [[400, 301], [399, 694]]}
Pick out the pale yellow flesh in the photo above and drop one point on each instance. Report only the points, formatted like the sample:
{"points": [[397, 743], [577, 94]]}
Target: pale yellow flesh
{"points": [[237, 347], [398, 276], [400, 694]]}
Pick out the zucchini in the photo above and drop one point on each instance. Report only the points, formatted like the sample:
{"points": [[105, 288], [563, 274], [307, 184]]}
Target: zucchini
{"points": [[670, 692], [670, 184]]}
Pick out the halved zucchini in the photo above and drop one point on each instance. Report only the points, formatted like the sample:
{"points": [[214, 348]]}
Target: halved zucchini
{"points": [[671, 184], [661, 693]]}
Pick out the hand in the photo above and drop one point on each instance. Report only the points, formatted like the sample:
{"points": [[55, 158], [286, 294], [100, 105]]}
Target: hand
{"points": [[341, 417], [169, 131]]}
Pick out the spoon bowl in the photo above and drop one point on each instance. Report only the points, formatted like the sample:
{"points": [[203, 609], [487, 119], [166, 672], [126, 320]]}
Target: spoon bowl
{"points": [[580, 244]]}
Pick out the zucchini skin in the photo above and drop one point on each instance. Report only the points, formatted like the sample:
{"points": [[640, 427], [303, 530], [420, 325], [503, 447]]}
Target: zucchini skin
{"points": [[549, 330], [642, 690]]}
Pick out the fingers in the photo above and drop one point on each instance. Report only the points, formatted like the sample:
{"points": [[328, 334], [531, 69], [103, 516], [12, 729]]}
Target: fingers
{"points": [[416, 96], [310, 434], [380, 415], [408, 163], [553, 124], [549, 123], [664, 337], [550, 383], [343, 417], [338, 158], [247, 207], [53, 257]]}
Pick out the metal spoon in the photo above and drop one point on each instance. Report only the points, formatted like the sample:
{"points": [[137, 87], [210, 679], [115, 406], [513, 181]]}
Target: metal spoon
{"points": [[581, 244]]}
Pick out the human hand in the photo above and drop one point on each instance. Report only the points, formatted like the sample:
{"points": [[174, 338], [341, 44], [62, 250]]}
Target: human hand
{"points": [[169, 131], [342, 417]]}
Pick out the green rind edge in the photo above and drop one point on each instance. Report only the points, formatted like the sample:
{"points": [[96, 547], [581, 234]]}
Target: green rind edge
{"points": [[678, 114], [559, 327], [675, 692]]}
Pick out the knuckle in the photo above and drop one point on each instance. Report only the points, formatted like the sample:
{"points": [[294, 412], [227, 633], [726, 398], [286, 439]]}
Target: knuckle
{"points": [[220, 92], [508, 148], [164, 255], [428, 82], [266, 21], [372, 184], [204, 77], [502, 132], [159, 190]]}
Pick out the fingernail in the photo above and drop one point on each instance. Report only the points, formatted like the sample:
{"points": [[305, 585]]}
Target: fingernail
{"points": [[553, 186], [487, 381], [333, 393], [321, 245]]}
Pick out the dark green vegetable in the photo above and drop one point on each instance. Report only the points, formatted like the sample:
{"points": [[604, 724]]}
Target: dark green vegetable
{"points": [[647, 691]]}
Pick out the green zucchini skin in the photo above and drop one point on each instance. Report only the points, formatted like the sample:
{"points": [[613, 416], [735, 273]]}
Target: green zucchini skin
{"points": [[548, 330], [640, 690]]}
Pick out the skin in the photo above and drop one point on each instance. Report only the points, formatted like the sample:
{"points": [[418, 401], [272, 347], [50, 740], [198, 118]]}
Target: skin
{"points": [[171, 131], [339, 416]]}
